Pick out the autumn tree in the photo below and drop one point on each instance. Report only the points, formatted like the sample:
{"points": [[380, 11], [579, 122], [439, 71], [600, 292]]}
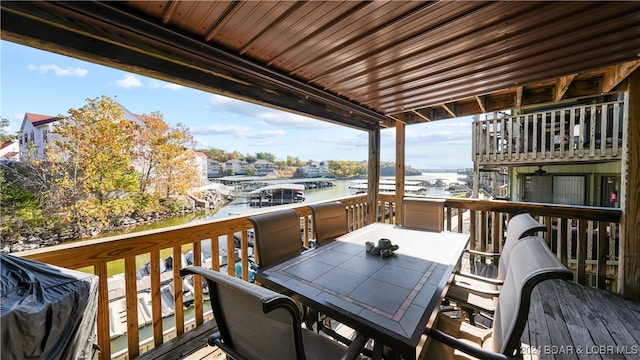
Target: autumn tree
{"points": [[165, 157], [90, 160]]}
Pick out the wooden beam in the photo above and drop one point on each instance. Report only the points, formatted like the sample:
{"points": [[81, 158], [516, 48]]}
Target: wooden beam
{"points": [[629, 271], [421, 115], [562, 85], [617, 73], [373, 175], [519, 91], [481, 100], [400, 164], [448, 109]]}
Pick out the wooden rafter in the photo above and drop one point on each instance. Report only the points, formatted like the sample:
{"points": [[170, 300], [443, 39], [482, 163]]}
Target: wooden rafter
{"points": [[481, 100], [562, 85], [421, 115], [519, 91], [448, 109], [617, 73]]}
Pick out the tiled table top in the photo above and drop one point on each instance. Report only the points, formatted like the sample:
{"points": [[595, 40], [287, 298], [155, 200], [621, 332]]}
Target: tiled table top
{"points": [[391, 299]]}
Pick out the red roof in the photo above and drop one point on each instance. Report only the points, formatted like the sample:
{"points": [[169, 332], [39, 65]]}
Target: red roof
{"points": [[5, 144], [37, 119]]}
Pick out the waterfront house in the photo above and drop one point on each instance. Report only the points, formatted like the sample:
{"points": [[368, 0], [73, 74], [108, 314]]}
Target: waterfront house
{"points": [[369, 66], [36, 131], [9, 151], [264, 167], [314, 168], [215, 169], [236, 167]]}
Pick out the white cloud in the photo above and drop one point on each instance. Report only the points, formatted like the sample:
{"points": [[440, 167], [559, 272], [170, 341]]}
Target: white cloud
{"points": [[57, 70], [239, 131], [129, 81], [165, 85], [281, 119]]}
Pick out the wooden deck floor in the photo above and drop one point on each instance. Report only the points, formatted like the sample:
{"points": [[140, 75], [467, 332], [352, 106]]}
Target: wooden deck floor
{"points": [[571, 321]]}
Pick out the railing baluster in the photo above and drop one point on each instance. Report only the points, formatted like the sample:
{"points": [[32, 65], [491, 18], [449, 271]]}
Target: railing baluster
{"points": [[604, 119], [592, 132], [572, 129], [616, 124], [553, 133], [231, 255], [103, 331], [601, 275], [156, 299], [198, 296], [131, 295], [177, 289], [581, 253]]}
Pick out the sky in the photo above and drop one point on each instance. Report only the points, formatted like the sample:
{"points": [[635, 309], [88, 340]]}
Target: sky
{"points": [[45, 83]]}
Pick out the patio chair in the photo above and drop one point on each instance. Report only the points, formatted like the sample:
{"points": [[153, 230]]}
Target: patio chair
{"points": [[476, 293], [256, 323], [277, 236], [329, 221], [532, 262], [277, 239], [423, 213]]}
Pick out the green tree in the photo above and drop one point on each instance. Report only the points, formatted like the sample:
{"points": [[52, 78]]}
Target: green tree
{"points": [[4, 124], [215, 154], [266, 156], [251, 171]]}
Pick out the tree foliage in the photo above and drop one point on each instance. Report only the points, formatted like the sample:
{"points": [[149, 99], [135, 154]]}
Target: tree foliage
{"points": [[90, 162], [165, 157], [4, 124]]}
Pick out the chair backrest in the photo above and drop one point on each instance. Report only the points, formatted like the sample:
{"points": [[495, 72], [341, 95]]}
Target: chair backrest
{"points": [[422, 213], [254, 322], [277, 236], [329, 221], [519, 226], [532, 262]]}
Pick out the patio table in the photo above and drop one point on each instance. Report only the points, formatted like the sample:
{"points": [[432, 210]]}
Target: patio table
{"points": [[391, 300]]}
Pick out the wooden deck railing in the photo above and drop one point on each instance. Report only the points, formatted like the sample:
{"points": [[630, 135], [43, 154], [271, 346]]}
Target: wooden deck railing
{"points": [[573, 232], [582, 133]]}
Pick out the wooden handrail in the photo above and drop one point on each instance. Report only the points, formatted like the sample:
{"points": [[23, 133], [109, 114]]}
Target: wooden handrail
{"points": [[568, 227]]}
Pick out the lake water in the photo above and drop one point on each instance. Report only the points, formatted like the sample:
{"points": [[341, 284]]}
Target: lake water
{"points": [[239, 205]]}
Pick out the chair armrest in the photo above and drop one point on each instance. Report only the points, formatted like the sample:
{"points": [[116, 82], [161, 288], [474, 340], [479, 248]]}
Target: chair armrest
{"points": [[465, 347], [356, 347], [487, 280], [217, 341], [477, 290], [483, 253]]}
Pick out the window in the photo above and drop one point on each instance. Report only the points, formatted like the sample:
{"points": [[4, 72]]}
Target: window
{"points": [[554, 189]]}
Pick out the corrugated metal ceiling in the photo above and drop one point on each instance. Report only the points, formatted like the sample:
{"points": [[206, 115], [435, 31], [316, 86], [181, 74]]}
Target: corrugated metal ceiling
{"points": [[410, 61]]}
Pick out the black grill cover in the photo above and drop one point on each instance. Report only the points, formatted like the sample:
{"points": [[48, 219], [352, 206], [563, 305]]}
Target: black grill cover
{"points": [[48, 312]]}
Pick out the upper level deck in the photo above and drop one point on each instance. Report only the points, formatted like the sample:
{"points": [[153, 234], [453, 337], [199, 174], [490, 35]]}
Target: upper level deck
{"points": [[587, 133]]}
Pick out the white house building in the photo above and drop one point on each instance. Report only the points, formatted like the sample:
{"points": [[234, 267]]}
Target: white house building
{"points": [[214, 169], [316, 168], [36, 131], [264, 167], [9, 151], [239, 167]]}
